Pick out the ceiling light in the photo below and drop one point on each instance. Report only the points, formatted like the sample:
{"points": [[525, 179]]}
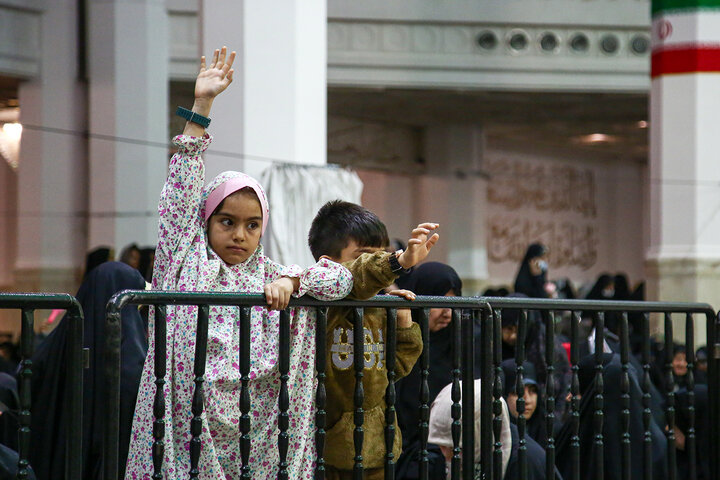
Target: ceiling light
{"points": [[595, 138], [642, 124]]}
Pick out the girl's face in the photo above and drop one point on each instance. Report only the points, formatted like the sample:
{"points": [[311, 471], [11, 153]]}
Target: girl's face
{"points": [[234, 230], [530, 401], [440, 317]]}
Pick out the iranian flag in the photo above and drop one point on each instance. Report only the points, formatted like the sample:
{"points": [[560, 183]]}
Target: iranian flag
{"points": [[685, 36]]}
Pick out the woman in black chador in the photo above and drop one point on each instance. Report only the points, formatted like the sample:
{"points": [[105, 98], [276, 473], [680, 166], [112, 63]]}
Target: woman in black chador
{"points": [[611, 426], [431, 278], [532, 276], [49, 393]]}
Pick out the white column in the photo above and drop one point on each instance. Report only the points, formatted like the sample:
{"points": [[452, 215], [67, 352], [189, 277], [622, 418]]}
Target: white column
{"points": [[128, 119], [684, 255], [52, 174], [455, 195], [275, 110]]}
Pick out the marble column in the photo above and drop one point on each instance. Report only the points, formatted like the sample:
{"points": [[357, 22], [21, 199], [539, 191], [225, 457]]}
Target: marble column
{"points": [[275, 110], [683, 259]]}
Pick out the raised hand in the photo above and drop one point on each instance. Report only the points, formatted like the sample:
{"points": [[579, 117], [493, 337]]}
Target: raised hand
{"points": [[419, 245], [214, 78]]}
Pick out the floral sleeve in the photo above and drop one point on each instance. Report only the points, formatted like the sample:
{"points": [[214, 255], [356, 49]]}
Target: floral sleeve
{"points": [[326, 280], [180, 197]]}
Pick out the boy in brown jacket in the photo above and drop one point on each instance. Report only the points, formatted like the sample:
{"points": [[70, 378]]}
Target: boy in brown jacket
{"points": [[354, 236]]}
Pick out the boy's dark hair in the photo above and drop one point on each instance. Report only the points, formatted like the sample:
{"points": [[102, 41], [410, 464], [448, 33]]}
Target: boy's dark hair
{"points": [[337, 222]]}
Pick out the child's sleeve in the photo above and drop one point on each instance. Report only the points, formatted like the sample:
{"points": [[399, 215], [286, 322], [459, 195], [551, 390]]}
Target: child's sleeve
{"points": [[409, 348], [180, 198], [371, 273], [326, 280]]}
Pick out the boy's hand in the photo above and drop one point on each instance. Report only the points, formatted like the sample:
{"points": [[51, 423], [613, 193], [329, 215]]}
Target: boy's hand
{"points": [[419, 245], [404, 315], [279, 292]]}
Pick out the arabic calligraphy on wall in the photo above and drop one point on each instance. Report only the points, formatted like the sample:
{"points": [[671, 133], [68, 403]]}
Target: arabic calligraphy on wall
{"points": [[549, 203], [546, 188]]}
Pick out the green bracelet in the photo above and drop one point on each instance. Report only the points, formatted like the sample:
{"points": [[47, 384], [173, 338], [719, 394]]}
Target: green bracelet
{"points": [[193, 117]]}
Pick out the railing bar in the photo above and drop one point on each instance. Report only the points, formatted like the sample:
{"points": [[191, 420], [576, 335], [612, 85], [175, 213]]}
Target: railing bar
{"points": [[599, 397], [486, 391], [575, 391], [74, 440], [520, 392], [455, 394], [497, 472], [25, 384], [646, 385], [158, 449], [390, 347], [625, 395], [550, 393], [321, 395], [244, 361], [359, 396], [690, 440], [424, 393], [284, 395], [670, 397], [468, 389], [198, 401]]}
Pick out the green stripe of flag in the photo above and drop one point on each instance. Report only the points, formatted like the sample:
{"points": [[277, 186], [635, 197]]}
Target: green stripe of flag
{"points": [[666, 6]]}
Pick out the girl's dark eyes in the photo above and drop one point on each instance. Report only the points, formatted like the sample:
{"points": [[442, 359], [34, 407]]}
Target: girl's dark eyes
{"points": [[226, 222], [253, 225]]}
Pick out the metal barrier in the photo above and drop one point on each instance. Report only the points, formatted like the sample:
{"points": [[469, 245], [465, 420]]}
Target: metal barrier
{"points": [[28, 303], [462, 371], [597, 310], [487, 314]]}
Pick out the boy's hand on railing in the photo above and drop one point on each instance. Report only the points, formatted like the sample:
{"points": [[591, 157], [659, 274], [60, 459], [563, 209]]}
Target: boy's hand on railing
{"points": [[404, 315], [419, 245], [279, 292]]}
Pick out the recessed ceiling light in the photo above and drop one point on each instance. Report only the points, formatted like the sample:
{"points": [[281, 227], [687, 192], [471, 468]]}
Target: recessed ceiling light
{"points": [[595, 138], [642, 124]]}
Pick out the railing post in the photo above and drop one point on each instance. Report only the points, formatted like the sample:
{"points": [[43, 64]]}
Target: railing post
{"points": [[112, 383], [550, 393], [390, 344], [670, 389], [424, 417], [359, 396], [599, 398], [468, 392], [496, 471], [25, 384], [690, 443], [575, 391], [245, 315], [321, 395], [158, 450], [487, 373], [625, 396], [198, 400], [520, 392]]}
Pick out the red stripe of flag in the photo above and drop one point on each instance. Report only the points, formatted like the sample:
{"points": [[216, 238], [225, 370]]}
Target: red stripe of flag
{"points": [[685, 60]]}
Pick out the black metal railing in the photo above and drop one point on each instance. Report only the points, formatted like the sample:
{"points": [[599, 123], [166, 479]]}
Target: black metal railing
{"points": [[27, 303], [597, 311], [487, 317], [463, 354]]}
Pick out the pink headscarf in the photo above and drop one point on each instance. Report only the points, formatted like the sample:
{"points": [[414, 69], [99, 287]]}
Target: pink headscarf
{"points": [[228, 183]]}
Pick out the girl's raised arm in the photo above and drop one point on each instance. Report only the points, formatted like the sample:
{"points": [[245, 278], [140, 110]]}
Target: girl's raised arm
{"points": [[180, 198]]}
